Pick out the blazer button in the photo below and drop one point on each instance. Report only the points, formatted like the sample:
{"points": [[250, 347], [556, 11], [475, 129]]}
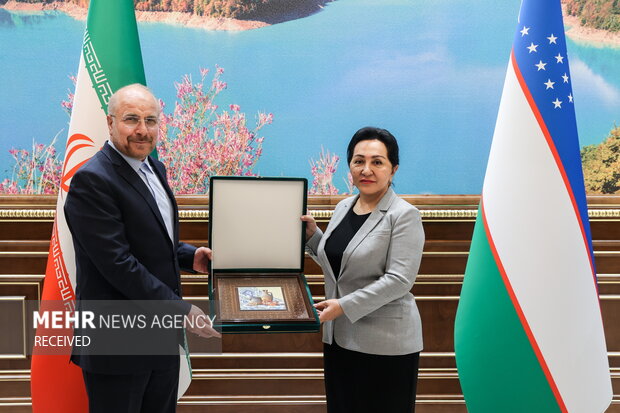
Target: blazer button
{"points": [[176, 291]]}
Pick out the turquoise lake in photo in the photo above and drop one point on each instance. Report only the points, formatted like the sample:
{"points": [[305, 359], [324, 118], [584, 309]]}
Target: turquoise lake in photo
{"points": [[431, 72]]}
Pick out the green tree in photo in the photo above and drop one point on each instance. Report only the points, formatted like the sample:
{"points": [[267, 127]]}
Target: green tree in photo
{"points": [[601, 165], [598, 14]]}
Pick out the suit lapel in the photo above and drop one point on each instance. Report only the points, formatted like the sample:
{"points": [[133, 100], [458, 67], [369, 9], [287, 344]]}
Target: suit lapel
{"points": [[375, 217], [132, 178]]}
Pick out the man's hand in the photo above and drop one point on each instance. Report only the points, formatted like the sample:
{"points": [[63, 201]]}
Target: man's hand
{"points": [[200, 324], [202, 256], [329, 310]]}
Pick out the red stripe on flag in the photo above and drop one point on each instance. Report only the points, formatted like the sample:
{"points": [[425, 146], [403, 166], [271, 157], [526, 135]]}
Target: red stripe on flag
{"points": [[520, 314], [56, 385]]}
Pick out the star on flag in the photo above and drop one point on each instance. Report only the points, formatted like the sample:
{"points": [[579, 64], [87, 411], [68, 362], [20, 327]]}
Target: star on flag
{"points": [[542, 48]]}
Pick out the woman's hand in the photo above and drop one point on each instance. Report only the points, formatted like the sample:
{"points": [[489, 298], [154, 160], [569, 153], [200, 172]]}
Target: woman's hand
{"points": [[329, 310], [310, 225]]}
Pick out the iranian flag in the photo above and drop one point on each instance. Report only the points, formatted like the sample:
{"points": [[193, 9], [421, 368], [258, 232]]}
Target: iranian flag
{"points": [[529, 332], [110, 59]]}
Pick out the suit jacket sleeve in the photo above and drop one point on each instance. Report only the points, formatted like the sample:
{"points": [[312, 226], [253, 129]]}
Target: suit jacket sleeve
{"points": [[402, 264], [312, 245], [97, 224], [185, 255]]}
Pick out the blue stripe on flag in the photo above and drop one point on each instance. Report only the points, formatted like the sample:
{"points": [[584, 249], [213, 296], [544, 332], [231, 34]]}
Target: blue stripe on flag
{"points": [[540, 51]]}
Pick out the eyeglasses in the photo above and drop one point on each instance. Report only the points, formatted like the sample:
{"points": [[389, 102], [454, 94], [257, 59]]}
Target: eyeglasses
{"points": [[132, 121]]}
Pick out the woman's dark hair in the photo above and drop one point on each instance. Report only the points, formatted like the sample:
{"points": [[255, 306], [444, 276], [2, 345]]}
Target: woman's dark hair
{"points": [[369, 133]]}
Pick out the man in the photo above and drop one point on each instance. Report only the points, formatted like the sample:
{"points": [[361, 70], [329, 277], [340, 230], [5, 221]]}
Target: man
{"points": [[124, 221]]}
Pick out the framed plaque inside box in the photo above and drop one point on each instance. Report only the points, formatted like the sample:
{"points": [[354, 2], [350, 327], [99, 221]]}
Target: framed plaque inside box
{"points": [[256, 281]]}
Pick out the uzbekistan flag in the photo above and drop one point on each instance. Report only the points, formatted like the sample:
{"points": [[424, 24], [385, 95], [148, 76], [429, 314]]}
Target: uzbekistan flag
{"points": [[110, 59], [529, 333]]}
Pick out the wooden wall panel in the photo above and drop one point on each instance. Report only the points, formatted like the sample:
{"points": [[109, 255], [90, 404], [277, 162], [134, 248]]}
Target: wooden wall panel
{"points": [[283, 372]]}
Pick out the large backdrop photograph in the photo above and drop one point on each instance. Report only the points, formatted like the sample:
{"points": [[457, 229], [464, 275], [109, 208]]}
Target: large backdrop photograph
{"points": [[277, 88]]}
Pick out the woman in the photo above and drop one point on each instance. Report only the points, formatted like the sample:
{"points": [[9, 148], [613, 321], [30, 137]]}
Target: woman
{"points": [[370, 255]]}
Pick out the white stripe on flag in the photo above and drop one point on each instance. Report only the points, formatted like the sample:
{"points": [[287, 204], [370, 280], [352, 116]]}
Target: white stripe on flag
{"points": [[87, 118], [544, 254]]}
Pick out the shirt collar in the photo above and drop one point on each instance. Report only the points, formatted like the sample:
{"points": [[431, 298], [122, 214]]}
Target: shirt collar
{"points": [[133, 162]]}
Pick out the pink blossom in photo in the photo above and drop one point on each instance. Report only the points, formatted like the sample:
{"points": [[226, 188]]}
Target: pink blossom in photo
{"points": [[196, 142], [199, 141], [323, 172], [36, 171]]}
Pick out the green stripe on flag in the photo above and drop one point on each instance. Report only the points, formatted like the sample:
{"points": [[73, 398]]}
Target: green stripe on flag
{"points": [[497, 366], [112, 47]]}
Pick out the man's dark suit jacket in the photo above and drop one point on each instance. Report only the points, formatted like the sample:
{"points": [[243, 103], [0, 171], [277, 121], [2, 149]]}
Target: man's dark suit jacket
{"points": [[122, 248]]}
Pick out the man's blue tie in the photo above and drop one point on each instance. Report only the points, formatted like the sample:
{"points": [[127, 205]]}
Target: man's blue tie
{"points": [[161, 197]]}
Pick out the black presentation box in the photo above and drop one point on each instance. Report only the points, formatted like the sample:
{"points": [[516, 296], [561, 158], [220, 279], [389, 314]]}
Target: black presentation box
{"points": [[256, 281]]}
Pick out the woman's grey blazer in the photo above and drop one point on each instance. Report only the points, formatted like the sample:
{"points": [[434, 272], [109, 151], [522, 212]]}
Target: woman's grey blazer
{"points": [[379, 267]]}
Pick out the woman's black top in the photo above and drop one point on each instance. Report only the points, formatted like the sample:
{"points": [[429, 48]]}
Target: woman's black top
{"points": [[340, 238]]}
